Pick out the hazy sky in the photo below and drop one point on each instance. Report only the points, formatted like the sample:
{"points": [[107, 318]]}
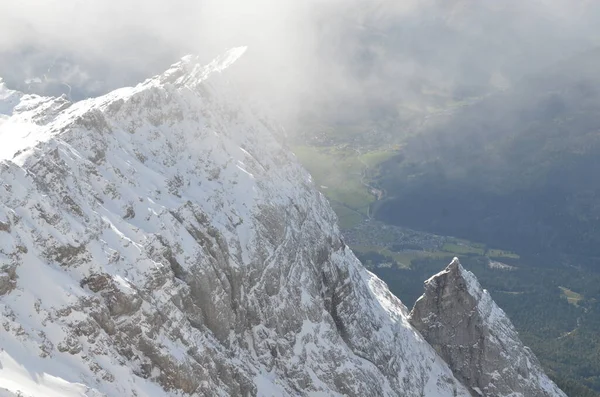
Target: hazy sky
{"points": [[303, 54]]}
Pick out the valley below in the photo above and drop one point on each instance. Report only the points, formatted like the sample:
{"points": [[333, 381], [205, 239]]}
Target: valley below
{"points": [[552, 299]]}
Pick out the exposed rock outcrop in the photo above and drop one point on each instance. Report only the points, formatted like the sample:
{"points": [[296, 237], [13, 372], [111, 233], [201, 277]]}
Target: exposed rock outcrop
{"points": [[476, 338]]}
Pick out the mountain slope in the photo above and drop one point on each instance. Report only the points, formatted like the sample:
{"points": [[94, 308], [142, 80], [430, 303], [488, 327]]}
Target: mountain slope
{"points": [[516, 169], [159, 240], [474, 336], [8, 99]]}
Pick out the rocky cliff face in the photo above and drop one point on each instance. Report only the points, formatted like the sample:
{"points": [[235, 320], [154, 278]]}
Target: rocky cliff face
{"points": [[160, 241], [474, 336]]}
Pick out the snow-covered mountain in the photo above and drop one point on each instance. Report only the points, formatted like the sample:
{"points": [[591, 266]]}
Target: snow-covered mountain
{"points": [[161, 241]]}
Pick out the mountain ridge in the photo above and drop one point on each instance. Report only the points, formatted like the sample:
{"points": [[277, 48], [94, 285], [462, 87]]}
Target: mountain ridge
{"points": [[159, 240]]}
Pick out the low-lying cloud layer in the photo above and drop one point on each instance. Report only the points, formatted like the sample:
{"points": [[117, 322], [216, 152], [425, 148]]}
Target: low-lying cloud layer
{"points": [[336, 60]]}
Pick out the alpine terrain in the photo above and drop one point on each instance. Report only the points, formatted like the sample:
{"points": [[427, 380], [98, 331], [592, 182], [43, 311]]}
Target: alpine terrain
{"points": [[474, 336], [161, 241]]}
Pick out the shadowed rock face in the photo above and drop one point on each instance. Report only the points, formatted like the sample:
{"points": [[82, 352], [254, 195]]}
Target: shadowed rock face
{"points": [[474, 336]]}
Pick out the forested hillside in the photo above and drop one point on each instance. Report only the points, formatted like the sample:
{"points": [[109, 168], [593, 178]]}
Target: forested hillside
{"points": [[518, 169]]}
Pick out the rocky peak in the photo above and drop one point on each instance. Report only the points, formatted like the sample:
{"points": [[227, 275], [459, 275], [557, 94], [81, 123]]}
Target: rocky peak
{"points": [[475, 337], [191, 72]]}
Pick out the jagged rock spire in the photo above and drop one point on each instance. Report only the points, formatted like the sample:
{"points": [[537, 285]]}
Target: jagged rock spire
{"points": [[475, 337]]}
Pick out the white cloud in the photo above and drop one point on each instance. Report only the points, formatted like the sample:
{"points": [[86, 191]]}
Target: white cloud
{"points": [[301, 52]]}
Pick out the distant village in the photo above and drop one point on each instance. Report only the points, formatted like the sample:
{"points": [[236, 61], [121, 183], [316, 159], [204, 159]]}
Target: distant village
{"points": [[396, 238]]}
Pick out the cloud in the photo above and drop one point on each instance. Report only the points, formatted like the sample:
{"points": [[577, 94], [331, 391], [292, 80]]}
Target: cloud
{"points": [[339, 60]]}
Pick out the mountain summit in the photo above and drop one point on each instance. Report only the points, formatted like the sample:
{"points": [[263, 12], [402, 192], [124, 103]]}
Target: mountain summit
{"points": [[160, 241], [476, 338]]}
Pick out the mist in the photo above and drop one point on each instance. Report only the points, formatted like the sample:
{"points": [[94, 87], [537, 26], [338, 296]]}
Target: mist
{"points": [[315, 61]]}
